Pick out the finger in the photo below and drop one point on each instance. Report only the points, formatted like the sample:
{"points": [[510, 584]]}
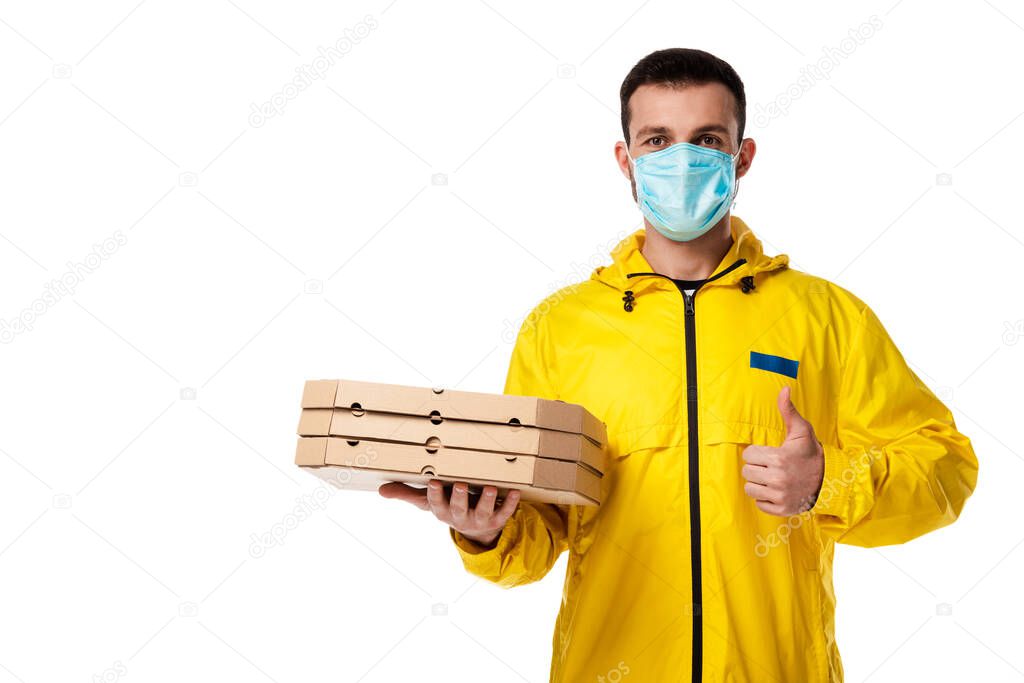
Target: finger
{"points": [[435, 500], [759, 492], [485, 506], [796, 426], [508, 506], [410, 494], [770, 508], [759, 455], [756, 474], [459, 504]]}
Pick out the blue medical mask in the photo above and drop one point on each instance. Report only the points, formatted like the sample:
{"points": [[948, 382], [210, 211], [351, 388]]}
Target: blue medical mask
{"points": [[684, 189]]}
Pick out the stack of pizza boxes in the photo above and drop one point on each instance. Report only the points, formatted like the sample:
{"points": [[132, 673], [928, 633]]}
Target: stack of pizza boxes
{"points": [[360, 435]]}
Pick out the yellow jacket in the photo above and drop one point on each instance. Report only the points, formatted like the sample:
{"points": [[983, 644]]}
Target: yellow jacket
{"points": [[678, 576]]}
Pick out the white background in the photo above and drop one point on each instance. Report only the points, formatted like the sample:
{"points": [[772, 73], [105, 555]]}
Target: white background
{"points": [[127, 512]]}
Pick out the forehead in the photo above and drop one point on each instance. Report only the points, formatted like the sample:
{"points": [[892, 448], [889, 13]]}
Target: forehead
{"points": [[684, 109]]}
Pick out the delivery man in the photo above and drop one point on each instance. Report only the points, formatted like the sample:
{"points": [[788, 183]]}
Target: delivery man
{"points": [[756, 416]]}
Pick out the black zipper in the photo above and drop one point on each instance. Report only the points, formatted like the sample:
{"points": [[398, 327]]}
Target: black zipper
{"points": [[693, 456], [693, 448]]}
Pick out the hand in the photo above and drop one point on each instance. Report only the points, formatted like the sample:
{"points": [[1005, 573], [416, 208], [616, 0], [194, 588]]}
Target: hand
{"points": [[482, 524], [786, 480]]}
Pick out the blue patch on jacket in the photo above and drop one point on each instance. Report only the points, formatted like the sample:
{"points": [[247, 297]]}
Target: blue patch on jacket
{"points": [[777, 364]]}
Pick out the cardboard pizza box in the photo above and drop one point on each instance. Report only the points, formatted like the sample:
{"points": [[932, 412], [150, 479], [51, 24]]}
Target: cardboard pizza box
{"points": [[482, 436], [315, 422], [366, 464], [445, 404]]}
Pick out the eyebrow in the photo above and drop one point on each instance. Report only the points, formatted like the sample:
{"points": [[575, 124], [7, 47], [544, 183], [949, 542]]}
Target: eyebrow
{"points": [[662, 130]]}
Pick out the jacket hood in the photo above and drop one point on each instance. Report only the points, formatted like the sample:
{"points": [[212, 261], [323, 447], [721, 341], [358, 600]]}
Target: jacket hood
{"points": [[746, 249]]}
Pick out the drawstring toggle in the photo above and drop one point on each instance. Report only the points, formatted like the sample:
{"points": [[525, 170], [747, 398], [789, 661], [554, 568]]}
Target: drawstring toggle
{"points": [[628, 299]]}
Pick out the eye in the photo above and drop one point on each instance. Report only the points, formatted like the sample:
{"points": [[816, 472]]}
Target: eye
{"points": [[656, 144], [710, 140]]}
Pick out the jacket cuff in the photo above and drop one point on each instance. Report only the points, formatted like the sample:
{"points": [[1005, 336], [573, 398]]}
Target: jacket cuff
{"points": [[836, 484], [483, 561]]}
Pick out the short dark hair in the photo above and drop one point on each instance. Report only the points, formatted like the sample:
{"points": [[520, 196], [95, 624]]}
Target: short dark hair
{"points": [[678, 67]]}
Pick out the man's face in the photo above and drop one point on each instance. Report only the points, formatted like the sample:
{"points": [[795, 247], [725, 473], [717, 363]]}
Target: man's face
{"points": [[703, 115]]}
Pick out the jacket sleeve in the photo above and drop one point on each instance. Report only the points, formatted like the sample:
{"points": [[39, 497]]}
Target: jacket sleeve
{"points": [[536, 533], [901, 467]]}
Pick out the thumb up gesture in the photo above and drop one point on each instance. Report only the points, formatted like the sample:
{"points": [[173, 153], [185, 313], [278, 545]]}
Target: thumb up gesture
{"points": [[785, 480]]}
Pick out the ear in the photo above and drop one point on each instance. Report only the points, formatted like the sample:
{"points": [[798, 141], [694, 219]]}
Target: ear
{"points": [[621, 153], [748, 148]]}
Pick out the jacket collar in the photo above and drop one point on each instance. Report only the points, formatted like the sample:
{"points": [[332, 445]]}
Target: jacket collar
{"points": [[627, 258]]}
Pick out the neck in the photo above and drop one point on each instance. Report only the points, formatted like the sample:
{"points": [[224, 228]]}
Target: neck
{"points": [[693, 260]]}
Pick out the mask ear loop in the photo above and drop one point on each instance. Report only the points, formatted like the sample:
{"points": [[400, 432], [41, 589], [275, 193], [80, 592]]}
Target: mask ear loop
{"points": [[632, 165], [736, 188]]}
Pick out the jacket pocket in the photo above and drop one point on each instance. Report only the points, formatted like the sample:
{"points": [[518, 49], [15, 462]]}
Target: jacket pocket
{"points": [[642, 483], [625, 442]]}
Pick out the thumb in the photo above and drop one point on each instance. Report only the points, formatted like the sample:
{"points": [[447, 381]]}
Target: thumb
{"points": [[409, 494], [796, 426]]}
